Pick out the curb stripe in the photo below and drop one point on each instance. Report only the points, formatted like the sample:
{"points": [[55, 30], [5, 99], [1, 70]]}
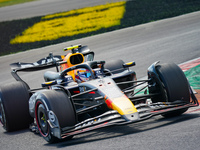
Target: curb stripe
{"points": [[190, 64]]}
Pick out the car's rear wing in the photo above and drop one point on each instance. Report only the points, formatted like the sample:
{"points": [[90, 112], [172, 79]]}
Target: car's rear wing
{"points": [[48, 61], [44, 63]]}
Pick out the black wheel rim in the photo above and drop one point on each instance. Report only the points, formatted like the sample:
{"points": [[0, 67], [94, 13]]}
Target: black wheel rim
{"points": [[41, 119]]}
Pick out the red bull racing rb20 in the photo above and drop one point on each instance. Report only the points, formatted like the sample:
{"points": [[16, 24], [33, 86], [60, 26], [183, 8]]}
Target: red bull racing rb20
{"points": [[84, 94]]}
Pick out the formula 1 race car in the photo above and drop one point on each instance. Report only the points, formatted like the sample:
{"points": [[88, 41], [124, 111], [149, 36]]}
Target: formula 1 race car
{"points": [[84, 95]]}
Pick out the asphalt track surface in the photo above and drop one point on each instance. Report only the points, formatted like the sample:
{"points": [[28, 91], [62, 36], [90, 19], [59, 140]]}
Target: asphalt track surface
{"points": [[170, 40], [44, 7]]}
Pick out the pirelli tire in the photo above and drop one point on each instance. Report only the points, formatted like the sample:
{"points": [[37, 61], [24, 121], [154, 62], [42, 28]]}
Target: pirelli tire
{"points": [[60, 104], [14, 107], [115, 66], [175, 84]]}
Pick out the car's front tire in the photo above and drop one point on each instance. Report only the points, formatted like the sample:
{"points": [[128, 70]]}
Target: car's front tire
{"points": [[14, 108], [59, 103], [176, 86]]}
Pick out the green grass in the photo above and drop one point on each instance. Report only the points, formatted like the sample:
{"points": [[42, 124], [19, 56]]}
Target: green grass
{"points": [[137, 12], [12, 2], [193, 76]]}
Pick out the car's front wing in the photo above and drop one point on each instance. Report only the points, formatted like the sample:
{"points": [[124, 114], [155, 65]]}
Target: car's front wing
{"points": [[114, 118]]}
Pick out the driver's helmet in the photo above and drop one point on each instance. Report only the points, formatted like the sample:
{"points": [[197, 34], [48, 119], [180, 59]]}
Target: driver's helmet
{"points": [[82, 75]]}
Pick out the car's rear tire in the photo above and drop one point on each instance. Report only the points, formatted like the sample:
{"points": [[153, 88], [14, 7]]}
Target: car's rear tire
{"points": [[115, 66], [62, 107], [14, 107], [176, 86]]}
